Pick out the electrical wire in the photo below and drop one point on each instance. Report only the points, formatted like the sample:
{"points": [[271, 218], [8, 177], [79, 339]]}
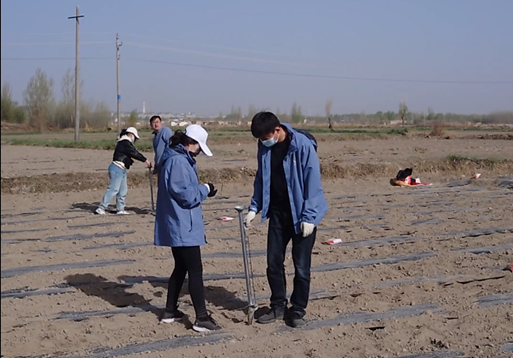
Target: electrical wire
{"points": [[53, 58], [54, 43], [55, 33], [203, 45], [207, 54], [291, 74]]}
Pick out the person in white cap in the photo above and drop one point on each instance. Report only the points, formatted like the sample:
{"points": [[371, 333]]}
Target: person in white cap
{"points": [[123, 158], [179, 222]]}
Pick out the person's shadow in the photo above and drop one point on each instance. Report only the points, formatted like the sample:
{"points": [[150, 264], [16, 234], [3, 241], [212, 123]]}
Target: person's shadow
{"points": [[114, 293], [117, 295], [91, 207], [217, 295]]}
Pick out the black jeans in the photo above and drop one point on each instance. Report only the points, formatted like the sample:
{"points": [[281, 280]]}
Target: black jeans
{"points": [[281, 231], [187, 261]]}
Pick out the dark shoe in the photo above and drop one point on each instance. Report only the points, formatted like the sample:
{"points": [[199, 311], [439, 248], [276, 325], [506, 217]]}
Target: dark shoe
{"points": [[207, 325], [296, 320], [271, 316], [170, 317]]}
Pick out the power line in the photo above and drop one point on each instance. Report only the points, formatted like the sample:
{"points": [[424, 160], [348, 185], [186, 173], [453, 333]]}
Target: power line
{"points": [[204, 45], [290, 74], [54, 33], [52, 58], [322, 76], [207, 54], [53, 43]]}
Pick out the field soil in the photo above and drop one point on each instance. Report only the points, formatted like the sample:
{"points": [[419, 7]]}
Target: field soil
{"points": [[420, 272]]}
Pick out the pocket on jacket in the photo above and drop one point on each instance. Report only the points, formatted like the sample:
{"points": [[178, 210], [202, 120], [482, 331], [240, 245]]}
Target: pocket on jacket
{"points": [[191, 220]]}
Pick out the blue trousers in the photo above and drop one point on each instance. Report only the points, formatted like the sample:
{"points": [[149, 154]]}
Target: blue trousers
{"points": [[118, 188]]}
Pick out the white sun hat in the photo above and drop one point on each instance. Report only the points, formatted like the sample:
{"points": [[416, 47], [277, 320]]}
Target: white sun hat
{"points": [[133, 131], [200, 135]]}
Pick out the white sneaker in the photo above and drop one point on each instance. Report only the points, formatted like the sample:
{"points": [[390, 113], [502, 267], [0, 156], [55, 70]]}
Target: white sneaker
{"points": [[123, 212], [100, 211]]}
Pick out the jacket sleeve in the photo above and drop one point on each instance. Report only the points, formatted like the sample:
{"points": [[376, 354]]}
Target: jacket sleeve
{"points": [[256, 200], [313, 193], [133, 153], [166, 136], [186, 195], [164, 143]]}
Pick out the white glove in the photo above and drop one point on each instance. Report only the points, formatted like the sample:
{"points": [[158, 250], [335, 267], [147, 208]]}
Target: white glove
{"points": [[307, 229], [249, 218]]}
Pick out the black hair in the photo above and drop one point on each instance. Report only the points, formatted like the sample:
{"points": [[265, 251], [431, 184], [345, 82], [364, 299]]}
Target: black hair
{"points": [[179, 137], [155, 117], [264, 123]]}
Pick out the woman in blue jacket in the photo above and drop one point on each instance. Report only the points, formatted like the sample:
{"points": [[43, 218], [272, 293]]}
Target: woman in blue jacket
{"points": [[179, 222]]}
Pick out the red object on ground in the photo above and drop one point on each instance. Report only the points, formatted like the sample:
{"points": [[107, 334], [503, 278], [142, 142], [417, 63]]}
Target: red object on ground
{"points": [[225, 218], [408, 180], [509, 268]]}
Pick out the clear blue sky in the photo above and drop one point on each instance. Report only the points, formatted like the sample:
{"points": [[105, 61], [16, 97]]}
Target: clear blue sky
{"points": [[320, 43]]}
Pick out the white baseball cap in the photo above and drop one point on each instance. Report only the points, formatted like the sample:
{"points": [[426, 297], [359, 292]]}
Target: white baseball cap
{"points": [[200, 135], [133, 131]]}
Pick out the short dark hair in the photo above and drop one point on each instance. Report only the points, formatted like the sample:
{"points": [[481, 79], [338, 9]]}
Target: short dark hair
{"points": [[154, 118], [264, 123], [179, 137]]}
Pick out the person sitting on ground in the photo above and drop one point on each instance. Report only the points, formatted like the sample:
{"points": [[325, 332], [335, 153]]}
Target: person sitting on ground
{"points": [[123, 158]]}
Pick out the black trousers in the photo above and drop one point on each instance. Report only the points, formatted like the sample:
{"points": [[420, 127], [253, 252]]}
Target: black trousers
{"points": [[187, 261], [281, 232]]}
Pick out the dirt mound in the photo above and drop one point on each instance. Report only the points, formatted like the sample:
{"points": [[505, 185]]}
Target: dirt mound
{"points": [[13, 127], [497, 136], [454, 166]]}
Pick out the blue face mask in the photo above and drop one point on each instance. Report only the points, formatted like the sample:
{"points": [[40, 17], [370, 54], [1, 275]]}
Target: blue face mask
{"points": [[269, 142]]}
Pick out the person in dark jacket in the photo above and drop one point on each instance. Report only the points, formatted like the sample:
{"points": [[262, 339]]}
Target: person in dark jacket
{"points": [[179, 222], [123, 158], [288, 191]]}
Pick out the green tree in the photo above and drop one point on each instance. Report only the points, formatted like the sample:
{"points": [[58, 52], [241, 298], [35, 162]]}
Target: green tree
{"points": [[132, 119], [403, 111], [296, 114], [67, 104], [252, 110], [101, 115], [431, 114], [7, 103], [389, 116], [39, 99]]}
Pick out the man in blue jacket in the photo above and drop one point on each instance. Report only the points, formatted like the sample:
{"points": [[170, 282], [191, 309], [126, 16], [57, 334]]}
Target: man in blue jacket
{"points": [[161, 136], [288, 192]]}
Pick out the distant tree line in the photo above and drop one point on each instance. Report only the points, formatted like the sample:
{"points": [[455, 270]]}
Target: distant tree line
{"points": [[42, 111], [403, 116]]}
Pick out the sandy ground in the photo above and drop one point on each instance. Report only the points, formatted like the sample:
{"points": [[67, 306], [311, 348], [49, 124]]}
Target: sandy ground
{"points": [[23, 161], [419, 272]]}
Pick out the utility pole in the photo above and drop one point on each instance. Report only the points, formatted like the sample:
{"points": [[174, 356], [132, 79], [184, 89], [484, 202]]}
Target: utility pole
{"points": [[77, 75], [118, 45]]}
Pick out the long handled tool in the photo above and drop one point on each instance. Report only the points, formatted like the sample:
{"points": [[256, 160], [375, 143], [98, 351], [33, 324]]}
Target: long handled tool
{"points": [[252, 303], [151, 190]]}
